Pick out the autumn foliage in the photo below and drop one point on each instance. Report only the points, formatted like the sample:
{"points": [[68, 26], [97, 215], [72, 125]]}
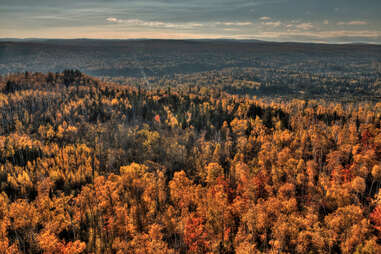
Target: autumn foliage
{"points": [[195, 235], [376, 218], [93, 167]]}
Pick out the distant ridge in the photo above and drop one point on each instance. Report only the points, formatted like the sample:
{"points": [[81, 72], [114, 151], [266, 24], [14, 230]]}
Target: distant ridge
{"points": [[198, 40], [158, 57]]}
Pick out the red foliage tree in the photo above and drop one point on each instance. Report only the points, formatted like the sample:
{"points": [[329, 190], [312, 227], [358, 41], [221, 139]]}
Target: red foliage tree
{"points": [[375, 216], [195, 235]]}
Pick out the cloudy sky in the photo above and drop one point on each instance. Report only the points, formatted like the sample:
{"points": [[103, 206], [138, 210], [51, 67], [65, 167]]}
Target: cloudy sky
{"points": [[273, 20]]}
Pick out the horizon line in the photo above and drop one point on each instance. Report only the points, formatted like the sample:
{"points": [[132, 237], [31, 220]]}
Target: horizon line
{"points": [[190, 39]]}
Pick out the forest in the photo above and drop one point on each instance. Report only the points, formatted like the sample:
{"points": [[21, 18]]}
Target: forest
{"points": [[333, 72], [138, 58], [108, 165]]}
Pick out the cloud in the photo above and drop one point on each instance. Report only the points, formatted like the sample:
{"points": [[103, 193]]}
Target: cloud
{"points": [[354, 22], [264, 18], [231, 29], [158, 24], [114, 20], [299, 26], [321, 35], [234, 23], [272, 23], [304, 26]]}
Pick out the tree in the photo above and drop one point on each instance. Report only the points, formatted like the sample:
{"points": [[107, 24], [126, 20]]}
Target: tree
{"points": [[375, 216], [195, 235]]}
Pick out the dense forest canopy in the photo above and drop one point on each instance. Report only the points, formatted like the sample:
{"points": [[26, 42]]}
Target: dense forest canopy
{"points": [[88, 166]]}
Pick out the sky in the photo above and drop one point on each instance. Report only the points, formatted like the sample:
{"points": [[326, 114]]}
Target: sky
{"points": [[327, 21]]}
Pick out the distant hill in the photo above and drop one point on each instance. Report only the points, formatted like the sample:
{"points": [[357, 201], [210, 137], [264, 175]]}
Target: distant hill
{"points": [[163, 57]]}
